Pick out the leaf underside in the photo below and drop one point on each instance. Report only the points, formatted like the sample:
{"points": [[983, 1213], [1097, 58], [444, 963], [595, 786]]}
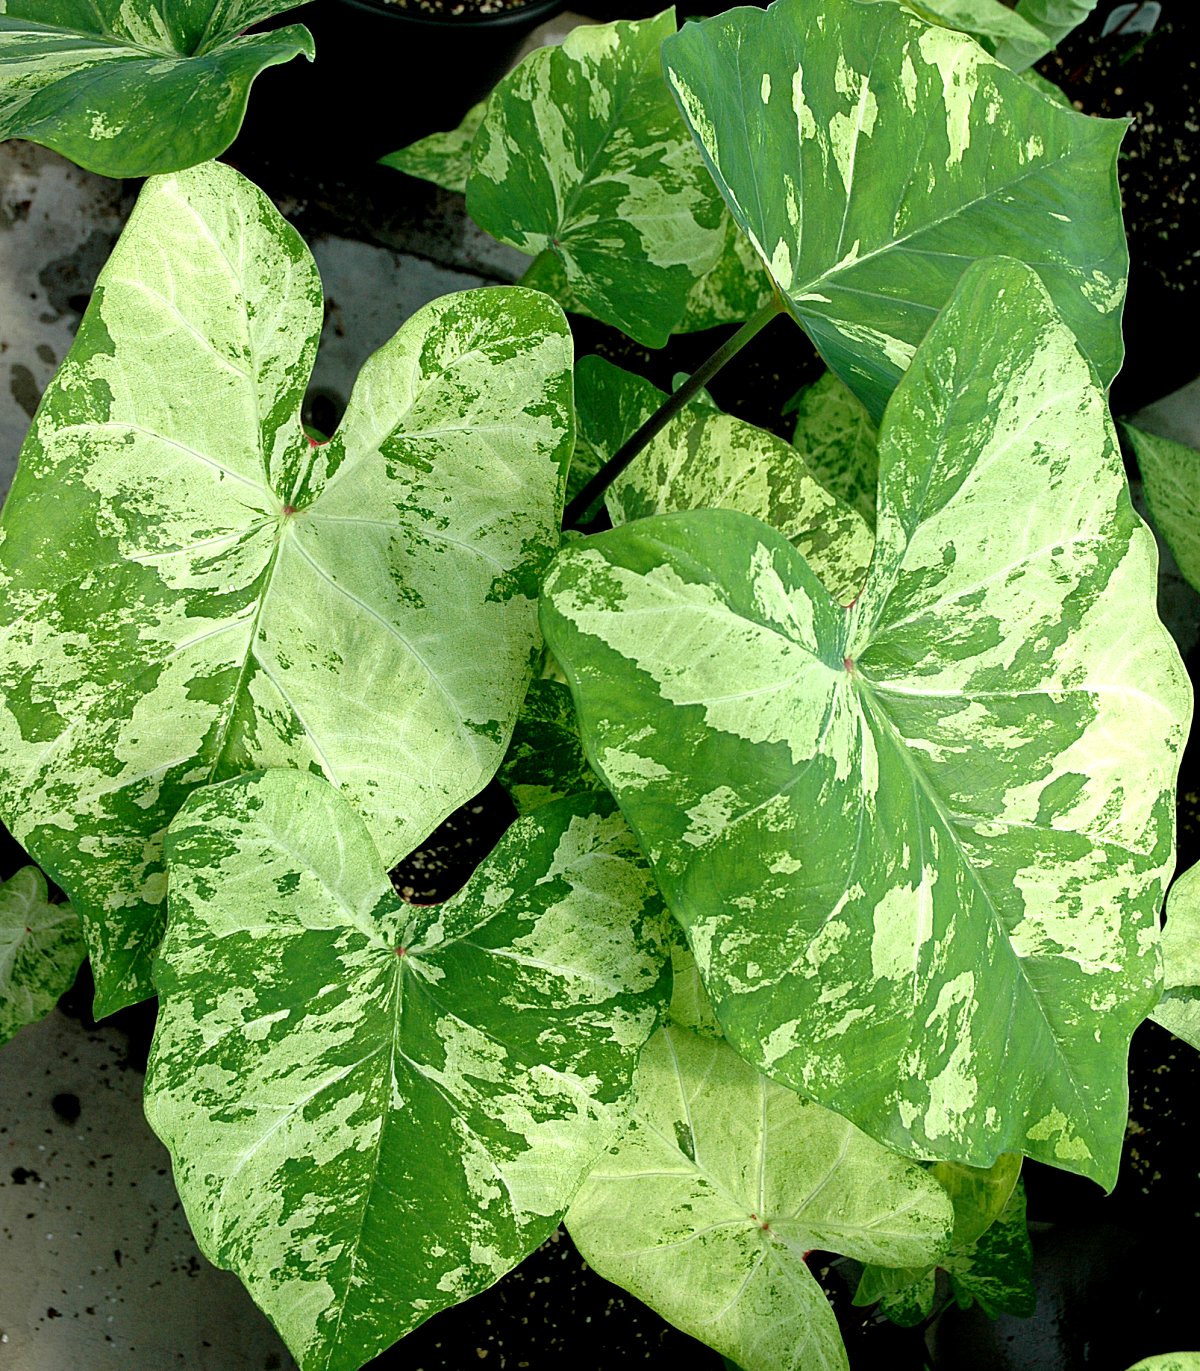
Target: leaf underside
{"points": [[192, 589], [918, 846], [134, 87], [870, 157], [376, 1109]]}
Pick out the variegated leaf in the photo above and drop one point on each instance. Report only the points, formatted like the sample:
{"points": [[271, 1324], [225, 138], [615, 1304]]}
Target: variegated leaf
{"points": [[545, 759], [918, 846], [376, 1109], [192, 589], [1171, 478], [134, 87], [443, 158], [1053, 19], [41, 949], [1179, 1009], [718, 1188], [837, 439], [706, 459], [581, 155], [871, 157]]}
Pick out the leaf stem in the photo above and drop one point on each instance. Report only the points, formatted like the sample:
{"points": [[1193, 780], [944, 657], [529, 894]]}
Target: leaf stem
{"points": [[574, 516]]}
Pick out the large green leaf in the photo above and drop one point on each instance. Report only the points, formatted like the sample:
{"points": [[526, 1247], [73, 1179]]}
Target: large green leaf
{"points": [[376, 1109], [719, 1187], [581, 155], [706, 459], [41, 948], [838, 440], [134, 87], [1171, 477], [1179, 1009], [1054, 19], [918, 846], [871, 158], [192, 589]]}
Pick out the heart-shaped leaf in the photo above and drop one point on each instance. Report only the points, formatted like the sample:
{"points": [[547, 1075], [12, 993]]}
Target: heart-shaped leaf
{"points": [[581, 155], [1179, 1009], [1171, 478], [871, 157], [918, 847], [134, 87], [192, 589], [41, 948], [706, 459], [375, 1109], [721, 1184]]}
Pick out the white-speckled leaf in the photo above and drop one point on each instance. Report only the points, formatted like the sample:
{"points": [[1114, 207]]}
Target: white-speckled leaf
{"points": [[582, 155], [443, 158], [871, 157], [838, 440], [41, 949], [1179, 1009], [189, 588], [377, 1109], [1171, 478], [705, 459], [134, 87], [720, 1185], [918, 847], [1053, 19]]}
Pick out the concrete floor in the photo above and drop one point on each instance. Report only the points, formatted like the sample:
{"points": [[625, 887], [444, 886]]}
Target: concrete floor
{"points": [[98, 1270]]}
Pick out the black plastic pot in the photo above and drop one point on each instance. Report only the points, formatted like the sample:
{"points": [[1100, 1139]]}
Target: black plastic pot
{"points": [[383, 77]]}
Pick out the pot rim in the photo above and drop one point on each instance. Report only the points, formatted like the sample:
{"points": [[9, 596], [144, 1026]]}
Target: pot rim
{"points": [[536, 10]]}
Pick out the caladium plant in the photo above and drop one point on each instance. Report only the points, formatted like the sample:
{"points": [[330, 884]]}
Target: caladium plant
{"points": [[845, 766]]}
